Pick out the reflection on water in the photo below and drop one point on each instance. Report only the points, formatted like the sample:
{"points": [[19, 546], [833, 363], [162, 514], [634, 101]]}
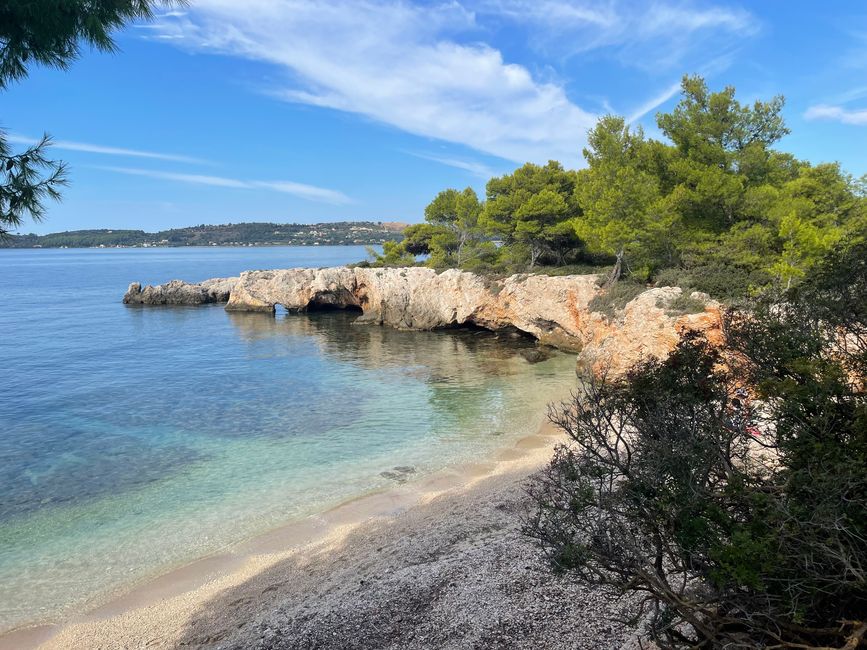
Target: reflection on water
{"points": [[140, 439], [443, 353]]}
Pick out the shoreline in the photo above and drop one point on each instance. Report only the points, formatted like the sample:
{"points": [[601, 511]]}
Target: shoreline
{"points": [[207, 246], [171, 601]]}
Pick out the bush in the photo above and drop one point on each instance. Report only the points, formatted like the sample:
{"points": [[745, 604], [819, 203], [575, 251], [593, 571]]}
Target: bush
{"points": [[615, 297], [725, 282], [574, 269], [683, 304], [719, 280], [730, 539], [671, 277]]}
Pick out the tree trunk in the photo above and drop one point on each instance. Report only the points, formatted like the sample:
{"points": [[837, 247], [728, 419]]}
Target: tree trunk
{"points": [[535, 254], [614, 276], [462, 239]]}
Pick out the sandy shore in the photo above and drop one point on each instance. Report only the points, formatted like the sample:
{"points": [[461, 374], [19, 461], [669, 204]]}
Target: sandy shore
{"points": [[438, 563]]}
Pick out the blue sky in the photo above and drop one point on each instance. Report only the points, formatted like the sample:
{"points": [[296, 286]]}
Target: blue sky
{"points": [[323, 110]]}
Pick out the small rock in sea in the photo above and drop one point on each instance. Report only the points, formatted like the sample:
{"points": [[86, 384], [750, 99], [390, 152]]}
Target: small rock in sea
{"points": [[405, 469]]}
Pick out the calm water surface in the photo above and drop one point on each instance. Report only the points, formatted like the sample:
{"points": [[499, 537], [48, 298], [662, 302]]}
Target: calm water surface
{"points": [[135, 440]]}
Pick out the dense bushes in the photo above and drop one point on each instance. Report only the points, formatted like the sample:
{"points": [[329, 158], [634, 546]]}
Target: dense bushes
{"points": [[615, 297], [720, 280], [732, 536]]}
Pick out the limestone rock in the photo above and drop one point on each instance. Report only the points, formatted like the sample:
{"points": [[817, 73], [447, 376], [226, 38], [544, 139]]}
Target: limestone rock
{"points": [[553, 309], [178, 292], [643, 329], [294, 289]]}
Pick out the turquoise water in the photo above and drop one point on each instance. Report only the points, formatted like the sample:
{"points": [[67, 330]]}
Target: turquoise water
{"points": [[134, 440]]}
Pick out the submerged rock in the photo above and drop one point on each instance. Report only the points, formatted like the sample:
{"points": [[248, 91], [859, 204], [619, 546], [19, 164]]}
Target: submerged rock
{"points": [[399, 474], [555, 310]]}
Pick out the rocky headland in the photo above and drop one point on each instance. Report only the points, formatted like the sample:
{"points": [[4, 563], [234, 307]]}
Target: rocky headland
{"points": [[556, 310]]}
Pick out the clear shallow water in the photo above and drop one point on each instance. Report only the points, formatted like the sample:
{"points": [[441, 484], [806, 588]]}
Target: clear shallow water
{"points": [[133, 440]]}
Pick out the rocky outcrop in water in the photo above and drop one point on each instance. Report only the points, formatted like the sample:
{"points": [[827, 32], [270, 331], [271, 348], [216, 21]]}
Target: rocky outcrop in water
{"points": [[555, 310], [178, 292]]}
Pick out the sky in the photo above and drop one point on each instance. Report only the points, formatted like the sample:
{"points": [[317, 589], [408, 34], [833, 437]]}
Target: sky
{"points": [[324, 110]]}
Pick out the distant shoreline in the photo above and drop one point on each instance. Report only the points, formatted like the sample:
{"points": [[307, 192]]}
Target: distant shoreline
{"points": [[339, 233], [262, 245]]}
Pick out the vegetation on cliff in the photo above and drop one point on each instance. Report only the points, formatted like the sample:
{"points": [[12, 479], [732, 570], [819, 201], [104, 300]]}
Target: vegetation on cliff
{"points": [[717, 208], [735, 525], [233, 234]]}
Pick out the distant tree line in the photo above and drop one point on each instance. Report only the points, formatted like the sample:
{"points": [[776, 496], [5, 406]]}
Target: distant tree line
{"points": [[716, 209], [238, 234]]}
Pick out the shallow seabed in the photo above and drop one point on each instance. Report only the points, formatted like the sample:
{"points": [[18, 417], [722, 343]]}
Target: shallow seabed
{"points": [[136, 440]]}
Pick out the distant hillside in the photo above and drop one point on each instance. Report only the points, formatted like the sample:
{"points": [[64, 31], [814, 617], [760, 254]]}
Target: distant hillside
{"points": [[232, 234]]}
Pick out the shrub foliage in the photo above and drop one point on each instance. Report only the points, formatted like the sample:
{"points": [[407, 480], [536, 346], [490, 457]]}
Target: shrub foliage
{"points": [[735, 534]]}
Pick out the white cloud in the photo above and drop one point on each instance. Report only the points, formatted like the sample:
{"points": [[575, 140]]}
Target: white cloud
{"points": [[68, 145], [837, 113], [393, 62], [308, 192], [416, 67]]}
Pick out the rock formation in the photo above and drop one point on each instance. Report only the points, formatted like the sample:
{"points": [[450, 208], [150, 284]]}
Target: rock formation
{"points": [[555, 310], [178, 292]]}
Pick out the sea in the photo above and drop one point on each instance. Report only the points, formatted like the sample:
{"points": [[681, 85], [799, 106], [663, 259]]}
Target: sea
{"points": [[135, 440]]}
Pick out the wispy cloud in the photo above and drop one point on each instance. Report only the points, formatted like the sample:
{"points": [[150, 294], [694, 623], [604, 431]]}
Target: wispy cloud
{"points": [[68, 145], [398, 64], [473, 167], [654, 102], [557, 13], [301, 190], [652, 36], [837, 114], [420, 67], [849, 96], [672, 18]]}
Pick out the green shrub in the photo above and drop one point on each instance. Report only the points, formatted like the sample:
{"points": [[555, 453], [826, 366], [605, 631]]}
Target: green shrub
{"points": [[728, 534], [717, 279], [725, 282], [574, 269], [670, 277], [614, 298], [682, 304]]}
